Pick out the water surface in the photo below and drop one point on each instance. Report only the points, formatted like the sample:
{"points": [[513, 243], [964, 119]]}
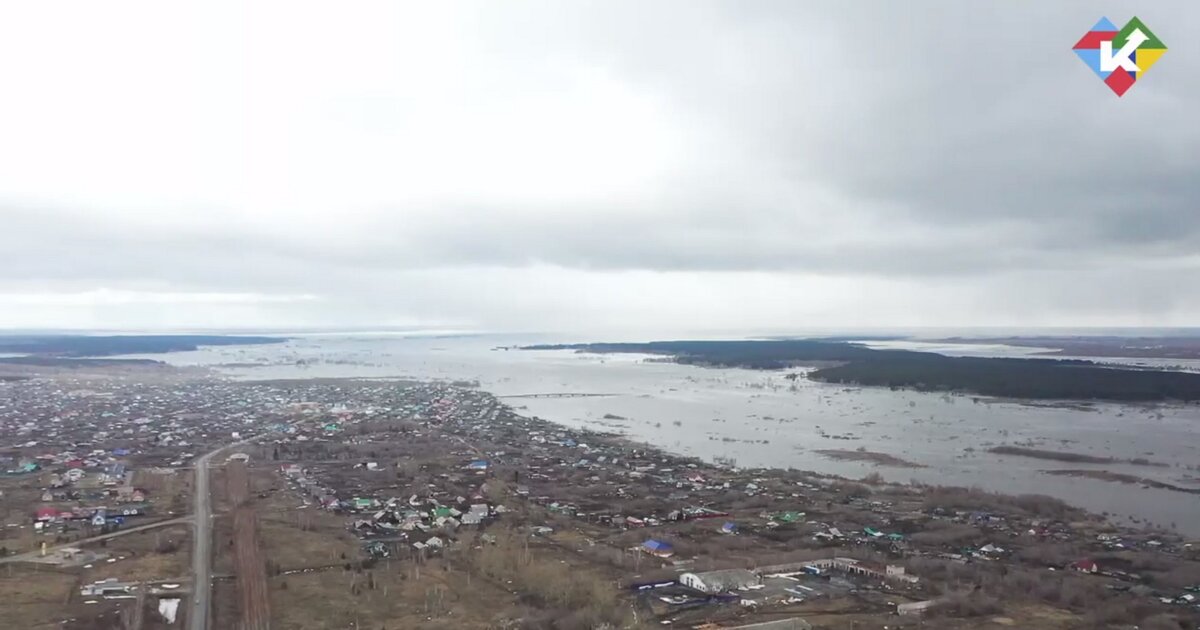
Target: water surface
{"points": [[761, 418]]}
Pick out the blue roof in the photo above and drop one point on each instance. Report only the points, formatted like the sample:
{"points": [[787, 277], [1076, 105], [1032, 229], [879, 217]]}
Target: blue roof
{"points": [[656, 545]]}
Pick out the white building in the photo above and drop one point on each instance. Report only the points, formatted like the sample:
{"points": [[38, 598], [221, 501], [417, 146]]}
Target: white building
{"points": [[720, 581], [915, 608]]}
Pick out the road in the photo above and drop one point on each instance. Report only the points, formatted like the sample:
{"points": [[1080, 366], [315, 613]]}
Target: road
{"points": [[201, 545], [202, 541]]}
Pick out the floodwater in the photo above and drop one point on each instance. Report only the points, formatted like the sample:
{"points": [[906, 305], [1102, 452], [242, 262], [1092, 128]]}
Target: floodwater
{"points": [[761, 418]]}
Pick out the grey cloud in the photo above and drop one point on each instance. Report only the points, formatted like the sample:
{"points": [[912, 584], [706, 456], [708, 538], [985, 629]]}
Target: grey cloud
{"points": [[940, 143]]}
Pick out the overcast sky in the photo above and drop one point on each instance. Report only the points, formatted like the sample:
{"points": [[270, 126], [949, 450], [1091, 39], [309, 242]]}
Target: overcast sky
{"points": [[593, 167]]}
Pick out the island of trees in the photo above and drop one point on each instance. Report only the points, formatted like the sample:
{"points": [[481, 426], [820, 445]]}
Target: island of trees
{"points": [[850, 363]]}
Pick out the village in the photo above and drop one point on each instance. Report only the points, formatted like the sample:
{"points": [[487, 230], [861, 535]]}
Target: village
{"points": [[417, 504]]}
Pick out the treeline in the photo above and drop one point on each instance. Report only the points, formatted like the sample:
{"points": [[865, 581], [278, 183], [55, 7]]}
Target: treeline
{"points": [[768, 354], [108, 345], [1016, 378], [974, 499], [68, 362], [860, 365]]}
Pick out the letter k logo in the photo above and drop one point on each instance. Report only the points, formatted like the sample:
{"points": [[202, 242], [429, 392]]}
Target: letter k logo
{"points": [[1124, 57]]}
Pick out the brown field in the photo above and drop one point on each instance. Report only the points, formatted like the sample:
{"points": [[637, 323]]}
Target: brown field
{"points": [[225, 612], [249, 563], [21, 498], [169, 492], [154, 555], [34, 599], [399, 599]]}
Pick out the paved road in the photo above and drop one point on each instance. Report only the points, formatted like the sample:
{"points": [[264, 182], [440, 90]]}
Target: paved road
{"points": [[202, 541], [33, 556], [201, 546]]}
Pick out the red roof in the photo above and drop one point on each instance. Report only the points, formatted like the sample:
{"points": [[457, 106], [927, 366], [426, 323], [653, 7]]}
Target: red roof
{"points": [[47, 513]]}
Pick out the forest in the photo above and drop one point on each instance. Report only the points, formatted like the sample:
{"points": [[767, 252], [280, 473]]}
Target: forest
{"points": [[850, 363], [109, 345]]}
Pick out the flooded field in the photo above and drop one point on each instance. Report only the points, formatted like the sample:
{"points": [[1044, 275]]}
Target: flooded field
{"points": [[758, 418]]}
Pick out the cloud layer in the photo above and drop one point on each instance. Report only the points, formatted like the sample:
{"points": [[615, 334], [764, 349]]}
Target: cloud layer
{"points": [[592, 167]]}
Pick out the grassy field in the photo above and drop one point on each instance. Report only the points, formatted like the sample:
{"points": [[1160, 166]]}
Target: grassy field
{"points": [[21, 496], [401, 598], [154, 555], [34, 599]]}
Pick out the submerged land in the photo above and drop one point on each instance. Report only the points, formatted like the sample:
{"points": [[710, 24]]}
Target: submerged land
{"points": [[1162, 347], [1063, 456], [852, 363]]}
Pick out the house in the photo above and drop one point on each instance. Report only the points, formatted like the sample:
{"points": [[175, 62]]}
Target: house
{"points": [[478, 464], [658, 548], [47, 514], [897, 572], [790, 517], [720, 581], [1086, 566], [130, 494], [476, 515], [729, 528]]}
